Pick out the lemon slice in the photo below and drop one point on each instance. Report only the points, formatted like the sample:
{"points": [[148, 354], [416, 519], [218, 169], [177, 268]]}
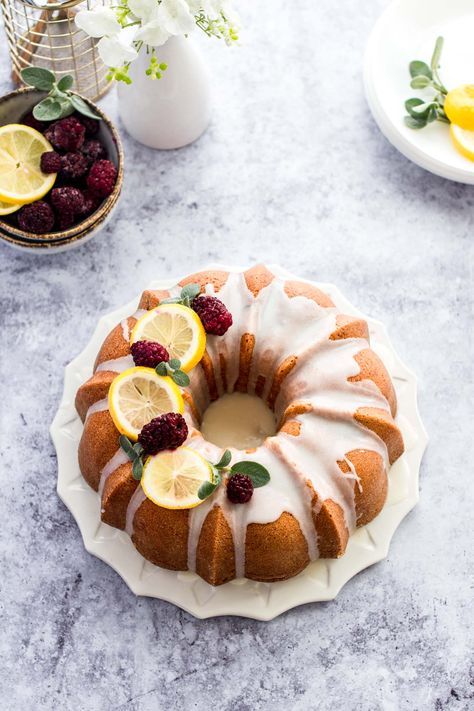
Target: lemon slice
{"points": [[138, 395], [172, 478], [463, 140], [7, 209], [21, 178], [178, 328], [459, 106]]}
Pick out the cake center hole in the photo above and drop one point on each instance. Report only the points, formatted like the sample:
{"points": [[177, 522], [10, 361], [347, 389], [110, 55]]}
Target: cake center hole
{"points": [[238, 420]]}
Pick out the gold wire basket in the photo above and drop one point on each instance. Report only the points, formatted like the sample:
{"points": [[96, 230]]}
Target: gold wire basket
{"points": [[42, 33]]}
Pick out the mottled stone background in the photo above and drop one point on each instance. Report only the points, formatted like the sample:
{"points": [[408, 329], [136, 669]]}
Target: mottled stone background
{"points": [[292, 170]]}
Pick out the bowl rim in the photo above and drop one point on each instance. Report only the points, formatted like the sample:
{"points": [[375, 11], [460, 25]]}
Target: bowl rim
{"points": [[102, 211]]}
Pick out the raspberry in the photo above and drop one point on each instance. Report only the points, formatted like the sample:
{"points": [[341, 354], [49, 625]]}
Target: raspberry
{"points": [[213, 314], [50, 162], [93, 150], [148, 353], [29, 120], [37, 217], [66, 220], [91, 203], [167, 431], [66, 135], [102, 177], [239, 489], [67, 201], [74, 165]]}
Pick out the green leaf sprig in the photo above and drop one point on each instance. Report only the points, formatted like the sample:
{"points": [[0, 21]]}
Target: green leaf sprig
{"points": [[135, 453], [60, 102], [173, 369], [187, 296], [256, 472], [421, 112]]}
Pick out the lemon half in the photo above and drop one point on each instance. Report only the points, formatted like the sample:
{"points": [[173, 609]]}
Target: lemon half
{"points": [[459, 106], [138, 395], [21, 178], [172, 479], [178, 328]]}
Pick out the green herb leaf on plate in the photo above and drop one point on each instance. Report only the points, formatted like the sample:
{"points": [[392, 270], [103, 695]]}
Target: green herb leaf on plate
{"points": [[255, 471]]}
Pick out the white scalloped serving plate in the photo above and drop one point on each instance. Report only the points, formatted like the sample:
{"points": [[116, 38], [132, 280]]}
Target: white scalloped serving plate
{"points": [[321, 580]]}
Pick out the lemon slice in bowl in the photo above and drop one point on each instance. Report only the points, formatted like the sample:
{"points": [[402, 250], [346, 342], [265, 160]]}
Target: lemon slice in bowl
{"points": [[172, 479], [21, 178], [463, 140], [178, 328], [7, 209], [138, 395]]}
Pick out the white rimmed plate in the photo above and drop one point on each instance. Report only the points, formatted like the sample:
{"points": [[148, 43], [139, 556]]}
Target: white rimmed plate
{"points": [[408, 30], [321, 580]]}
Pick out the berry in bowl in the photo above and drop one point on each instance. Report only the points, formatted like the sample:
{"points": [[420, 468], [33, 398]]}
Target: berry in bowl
{"points": [[62, 166]]}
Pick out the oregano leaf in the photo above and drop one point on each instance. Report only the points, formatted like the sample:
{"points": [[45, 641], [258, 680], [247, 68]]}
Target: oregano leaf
{"points": [[206, 489], [174, 363], [171, 300], [47, 110], [65, 82], [127, 447], [255, 471], [418, 68], [190, 291], [83, 108], [138, 449], [224, 461], [38, 77], [161, 368], [414, 123], [137, 469], [180, 378]]}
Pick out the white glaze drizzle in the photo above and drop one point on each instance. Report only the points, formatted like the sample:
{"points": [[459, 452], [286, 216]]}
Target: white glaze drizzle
{"points": [[282, 327], [98, 406], [117, 365], [112, 465]]}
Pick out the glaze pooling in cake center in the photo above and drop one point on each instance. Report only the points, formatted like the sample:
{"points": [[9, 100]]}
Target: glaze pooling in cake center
{"points": [[238, 420]]}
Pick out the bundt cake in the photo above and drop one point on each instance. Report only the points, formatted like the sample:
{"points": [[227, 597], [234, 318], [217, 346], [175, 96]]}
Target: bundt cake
{"points": [[334, 403]]}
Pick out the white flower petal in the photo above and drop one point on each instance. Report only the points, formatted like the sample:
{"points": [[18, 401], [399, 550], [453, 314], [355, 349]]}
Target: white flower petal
{"points": [[114, 52], [153, 34], [98, 23], [145, 10], [176, 17]]}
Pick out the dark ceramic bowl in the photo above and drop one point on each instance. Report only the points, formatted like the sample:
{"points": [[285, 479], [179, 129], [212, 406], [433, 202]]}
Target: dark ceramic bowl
{"points": [[12, 108]]}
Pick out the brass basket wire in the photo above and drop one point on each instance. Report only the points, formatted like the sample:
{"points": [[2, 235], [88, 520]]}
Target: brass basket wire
{"points": [[42, 33]]}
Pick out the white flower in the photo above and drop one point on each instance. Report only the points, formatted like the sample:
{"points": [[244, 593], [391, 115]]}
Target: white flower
{"points": [[118, 49], [144, 10], [176, 17], [100, 22], [153, 34]]}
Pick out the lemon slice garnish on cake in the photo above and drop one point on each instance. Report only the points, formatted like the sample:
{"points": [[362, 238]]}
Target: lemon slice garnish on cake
{"points": [[463, 140], [138, 395], [21, 178], [178, 328], [172, 479]]}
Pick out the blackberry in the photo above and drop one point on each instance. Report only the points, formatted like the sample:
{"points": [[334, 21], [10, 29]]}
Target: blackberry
{"points": [[239, 489], [66, 135], [213, 314], [93, 150], [50, 162], [37, 217], [74, 166], [102, 177], [67, 201], [148, 353], [167, 431]]}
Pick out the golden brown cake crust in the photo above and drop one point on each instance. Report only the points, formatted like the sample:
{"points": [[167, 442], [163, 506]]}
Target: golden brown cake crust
{"points": [[99, 442], [370, 491], [115, 345], [215, 277], [301, 288], [215, 559], [275, 551], [93, 390], [118, 490], [151, 298], [349, 327], [257, 278], [372, 368], [161, 535], [381, 422]]}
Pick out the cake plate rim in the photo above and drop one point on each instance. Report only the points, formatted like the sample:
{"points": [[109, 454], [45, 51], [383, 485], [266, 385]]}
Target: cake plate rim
{"points": [[321, 580]]}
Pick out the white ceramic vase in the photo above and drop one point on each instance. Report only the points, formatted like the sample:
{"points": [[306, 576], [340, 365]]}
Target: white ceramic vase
{"points": [[172, 111]]}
